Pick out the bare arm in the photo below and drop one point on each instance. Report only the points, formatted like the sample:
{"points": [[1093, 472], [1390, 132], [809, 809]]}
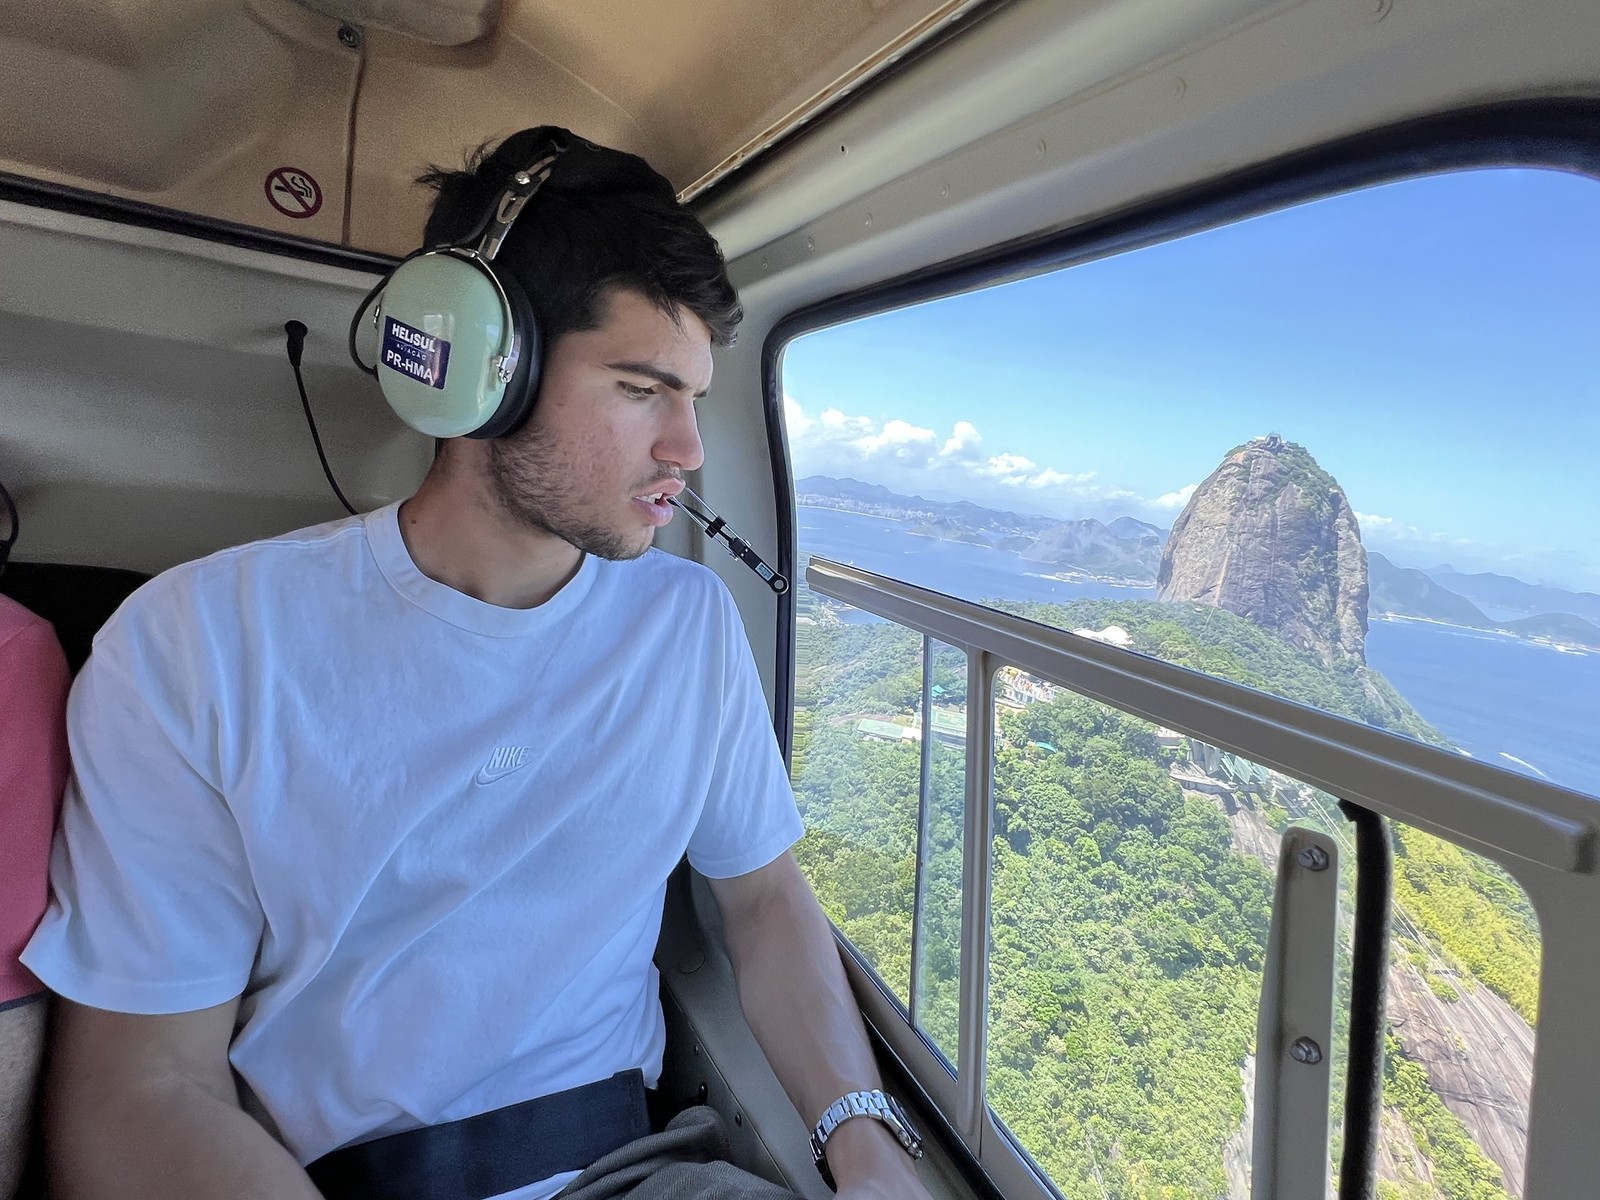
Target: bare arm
{"points": [[794, 993], [146, 1106], [21, 1038]]}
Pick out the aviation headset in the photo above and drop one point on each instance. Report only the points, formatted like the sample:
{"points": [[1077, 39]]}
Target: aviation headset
{"points": [[459, 347]]}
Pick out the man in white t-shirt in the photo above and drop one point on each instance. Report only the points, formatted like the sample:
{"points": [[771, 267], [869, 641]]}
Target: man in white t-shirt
{"points": [[370, 824]]}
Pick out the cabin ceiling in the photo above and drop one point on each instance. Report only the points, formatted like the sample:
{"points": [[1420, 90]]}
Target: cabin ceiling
{"points": [[194, 105]]}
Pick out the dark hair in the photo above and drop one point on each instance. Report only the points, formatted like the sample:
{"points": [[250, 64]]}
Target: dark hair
{"points": [[604, 219]]}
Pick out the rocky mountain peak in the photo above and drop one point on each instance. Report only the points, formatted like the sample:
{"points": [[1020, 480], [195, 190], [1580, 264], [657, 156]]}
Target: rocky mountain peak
{"points": [[1270, 535]]}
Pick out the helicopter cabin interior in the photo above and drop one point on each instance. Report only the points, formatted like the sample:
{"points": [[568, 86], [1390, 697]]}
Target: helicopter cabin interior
{"points": [[1333, 985]]}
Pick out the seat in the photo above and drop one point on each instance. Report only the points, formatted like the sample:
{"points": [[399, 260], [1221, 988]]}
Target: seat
{"points": [[77, 600]]}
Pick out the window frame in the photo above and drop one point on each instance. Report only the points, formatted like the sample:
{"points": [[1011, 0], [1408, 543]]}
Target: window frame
{"points": [[1558, 133]]}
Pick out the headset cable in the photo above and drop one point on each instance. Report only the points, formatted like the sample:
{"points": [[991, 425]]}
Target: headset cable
{"points": [[297, 341]]}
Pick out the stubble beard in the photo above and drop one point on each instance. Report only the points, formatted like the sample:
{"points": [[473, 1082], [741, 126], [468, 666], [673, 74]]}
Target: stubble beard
{"points": [[530, 482]]}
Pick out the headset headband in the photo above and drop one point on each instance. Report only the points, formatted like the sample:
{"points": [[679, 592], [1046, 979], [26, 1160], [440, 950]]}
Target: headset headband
{"points": [[518, 192], [499, 220]]}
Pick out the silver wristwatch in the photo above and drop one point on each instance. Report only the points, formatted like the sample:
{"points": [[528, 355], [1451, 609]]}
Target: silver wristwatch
{"points": [[875, 1104]]}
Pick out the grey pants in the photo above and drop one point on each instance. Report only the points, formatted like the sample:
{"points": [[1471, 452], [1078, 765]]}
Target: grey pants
{"points": [[685, 1161]]}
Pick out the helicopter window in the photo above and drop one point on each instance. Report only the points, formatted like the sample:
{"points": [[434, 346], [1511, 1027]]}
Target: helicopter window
{"points": [[1331, 453]]}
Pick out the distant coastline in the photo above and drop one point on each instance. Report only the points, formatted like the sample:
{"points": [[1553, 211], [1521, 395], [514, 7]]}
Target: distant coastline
{"points": [[1507, 634], [854, 512], [1074, 576], [914, 524]]}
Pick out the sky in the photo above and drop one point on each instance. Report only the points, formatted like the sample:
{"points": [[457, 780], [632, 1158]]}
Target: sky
{"points": [[1433, 343]]}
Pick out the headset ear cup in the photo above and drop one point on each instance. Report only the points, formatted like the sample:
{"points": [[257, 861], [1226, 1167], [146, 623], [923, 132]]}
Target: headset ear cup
{"points": [[443, 323], [523, 390]]}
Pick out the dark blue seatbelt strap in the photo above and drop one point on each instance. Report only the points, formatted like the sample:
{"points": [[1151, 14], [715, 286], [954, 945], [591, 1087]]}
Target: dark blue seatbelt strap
{"points": [[493, 1152]]}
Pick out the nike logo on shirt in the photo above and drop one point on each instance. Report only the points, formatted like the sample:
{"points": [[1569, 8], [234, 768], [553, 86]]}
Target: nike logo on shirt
{"points": [[502, 762]]}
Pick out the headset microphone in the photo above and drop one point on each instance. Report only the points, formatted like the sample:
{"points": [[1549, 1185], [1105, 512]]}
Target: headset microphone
{"points": [[716, 527]]}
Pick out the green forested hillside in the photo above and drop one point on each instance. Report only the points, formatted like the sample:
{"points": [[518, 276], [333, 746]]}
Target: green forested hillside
{"points": [[1125, 961], [1126, 946], [1218, 642]]}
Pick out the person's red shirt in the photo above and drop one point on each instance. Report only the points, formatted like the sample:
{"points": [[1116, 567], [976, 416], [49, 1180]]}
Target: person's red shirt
{"points": [[33, 772]]}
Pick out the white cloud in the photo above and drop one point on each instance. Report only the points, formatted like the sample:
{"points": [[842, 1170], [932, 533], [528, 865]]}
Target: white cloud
{"points": [[1177, 499], [834, 420], [1394, 532], [1008, 468], [899, 439], [1019, 471], [1050, 477], [795, 418], [907, 457], [964, 443]]}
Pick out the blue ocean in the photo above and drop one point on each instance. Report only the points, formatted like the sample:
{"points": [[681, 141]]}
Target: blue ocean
{"points": [[1514, 704]]}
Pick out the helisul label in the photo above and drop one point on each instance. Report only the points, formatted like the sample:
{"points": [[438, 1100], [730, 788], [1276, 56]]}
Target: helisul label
{"points": [[422, 356]]}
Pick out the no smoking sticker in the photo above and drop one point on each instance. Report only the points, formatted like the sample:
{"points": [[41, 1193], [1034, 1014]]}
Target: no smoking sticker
{"points": [[293, 193]]}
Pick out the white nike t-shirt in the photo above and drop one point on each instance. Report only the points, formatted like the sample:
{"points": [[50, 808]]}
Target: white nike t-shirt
{"points": [[427, 838]]}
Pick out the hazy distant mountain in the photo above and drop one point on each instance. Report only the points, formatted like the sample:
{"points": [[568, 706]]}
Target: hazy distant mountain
{"points": [[1404, 592], [852, 489], [824, 491], [1558, 627], [1130, 529], [1101, 549], [1401, 591], [1125, 549], [1502, 591]]}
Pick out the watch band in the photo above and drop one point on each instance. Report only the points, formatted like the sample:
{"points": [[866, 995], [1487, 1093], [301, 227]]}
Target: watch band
{"points": [[876, 1104]]}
